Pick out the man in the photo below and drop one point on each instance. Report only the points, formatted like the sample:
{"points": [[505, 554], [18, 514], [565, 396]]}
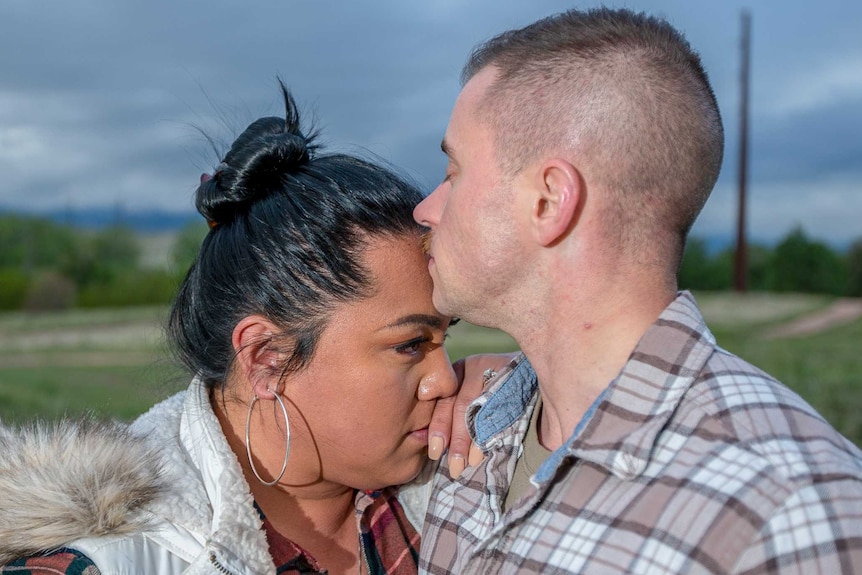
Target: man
{"points": [[581, 149]]}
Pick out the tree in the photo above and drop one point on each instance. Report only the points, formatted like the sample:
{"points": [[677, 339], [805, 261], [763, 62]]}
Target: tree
{"points": [[14, 285], [758, 266], [854, 269], [30, 243], [801, 265], [187, 246], [103, 256], [117, 250], [701, 271]]}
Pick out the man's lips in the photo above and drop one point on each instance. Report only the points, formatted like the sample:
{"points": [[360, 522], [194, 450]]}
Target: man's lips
{"points": [[426, 242]]}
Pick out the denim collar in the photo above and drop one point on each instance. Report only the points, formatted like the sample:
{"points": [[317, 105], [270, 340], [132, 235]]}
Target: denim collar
{"points": [[674, 348]]}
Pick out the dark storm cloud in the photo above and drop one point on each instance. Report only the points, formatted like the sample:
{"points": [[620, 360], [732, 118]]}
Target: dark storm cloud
{"points": [[101, 102], [816, 143]]}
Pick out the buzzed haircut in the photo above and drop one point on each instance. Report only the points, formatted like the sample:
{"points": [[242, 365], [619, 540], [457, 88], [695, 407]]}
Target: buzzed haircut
{"points": [[626, 98]]}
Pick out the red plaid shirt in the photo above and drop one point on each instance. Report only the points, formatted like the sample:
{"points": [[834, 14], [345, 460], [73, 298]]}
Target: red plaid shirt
{"points": [[389, 542]]}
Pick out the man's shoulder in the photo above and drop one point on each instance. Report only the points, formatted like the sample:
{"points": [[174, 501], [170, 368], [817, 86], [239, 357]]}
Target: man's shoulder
{"points": [[735, 404]]}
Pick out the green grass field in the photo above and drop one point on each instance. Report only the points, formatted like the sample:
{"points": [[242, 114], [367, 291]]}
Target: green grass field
{"points": [[109, 362], [114, 362]]}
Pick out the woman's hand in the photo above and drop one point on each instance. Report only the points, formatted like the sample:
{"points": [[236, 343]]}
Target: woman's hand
{"points": [[448, 424]]}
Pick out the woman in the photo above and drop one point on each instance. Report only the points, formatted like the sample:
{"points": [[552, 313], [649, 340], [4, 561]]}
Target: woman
{"points": [[319, 356]]}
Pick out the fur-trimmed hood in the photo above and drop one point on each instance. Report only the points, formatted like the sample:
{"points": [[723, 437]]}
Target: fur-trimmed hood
{"points": [[63, 481], [164, 494]]}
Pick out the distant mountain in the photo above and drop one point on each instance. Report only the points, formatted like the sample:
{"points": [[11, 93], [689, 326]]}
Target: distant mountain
{"points": [[143, 221], [158, 221]]}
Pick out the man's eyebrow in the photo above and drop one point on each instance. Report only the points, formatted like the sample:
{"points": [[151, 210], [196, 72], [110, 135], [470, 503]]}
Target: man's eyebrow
{"points": [[421, 319]]}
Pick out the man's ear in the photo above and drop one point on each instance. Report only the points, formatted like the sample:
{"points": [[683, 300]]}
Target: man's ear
{"points": [[257, 356], [559, 191]]}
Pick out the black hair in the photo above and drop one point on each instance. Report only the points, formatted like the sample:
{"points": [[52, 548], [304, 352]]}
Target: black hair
{"points": [[288, 230]]}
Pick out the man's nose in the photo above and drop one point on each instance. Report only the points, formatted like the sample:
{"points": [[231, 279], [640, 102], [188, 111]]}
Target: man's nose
{"points": [[427, 212]]}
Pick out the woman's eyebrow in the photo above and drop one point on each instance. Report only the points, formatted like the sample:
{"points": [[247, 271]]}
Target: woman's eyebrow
{"points": [[421, 319]]}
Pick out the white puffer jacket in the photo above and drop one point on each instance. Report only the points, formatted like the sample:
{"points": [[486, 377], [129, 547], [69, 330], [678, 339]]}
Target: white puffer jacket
{"points": [[165, 495]]}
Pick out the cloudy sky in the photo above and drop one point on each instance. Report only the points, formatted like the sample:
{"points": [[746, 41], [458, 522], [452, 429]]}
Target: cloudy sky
{"points": [[102, 102]]}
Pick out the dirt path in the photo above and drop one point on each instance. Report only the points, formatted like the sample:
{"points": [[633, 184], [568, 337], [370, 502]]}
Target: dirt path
{"points": [[840, 312]]}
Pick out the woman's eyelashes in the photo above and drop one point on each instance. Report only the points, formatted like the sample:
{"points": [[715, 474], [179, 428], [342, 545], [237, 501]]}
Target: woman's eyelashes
{"points": [[418, 345], [412, 347]]}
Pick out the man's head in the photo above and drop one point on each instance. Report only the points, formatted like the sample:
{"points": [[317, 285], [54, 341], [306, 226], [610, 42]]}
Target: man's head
{"points": [[619, 97], [624, 94]]}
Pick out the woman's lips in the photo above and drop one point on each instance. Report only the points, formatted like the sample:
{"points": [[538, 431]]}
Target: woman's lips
{"points": [[420, 435]]}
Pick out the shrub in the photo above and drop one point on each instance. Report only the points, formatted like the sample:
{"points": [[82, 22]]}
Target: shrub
{"points": [[50, 291], [133, 287], [13, 288]]}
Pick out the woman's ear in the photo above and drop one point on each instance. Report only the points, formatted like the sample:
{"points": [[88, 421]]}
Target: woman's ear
{"points": [[258, 358], [559, 190]]}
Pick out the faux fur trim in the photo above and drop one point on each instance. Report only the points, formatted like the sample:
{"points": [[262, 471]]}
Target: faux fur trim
{"points": [[71, 479]]}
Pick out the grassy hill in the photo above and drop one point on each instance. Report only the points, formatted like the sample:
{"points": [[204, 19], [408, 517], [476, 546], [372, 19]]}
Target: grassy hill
{"points": [[115, 363]]}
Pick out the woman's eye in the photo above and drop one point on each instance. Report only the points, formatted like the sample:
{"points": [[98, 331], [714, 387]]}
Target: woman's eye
{"points": [[412, 347]]}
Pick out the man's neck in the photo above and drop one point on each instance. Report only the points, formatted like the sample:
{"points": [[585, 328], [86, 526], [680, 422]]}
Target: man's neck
{"points": [[580, 346]]}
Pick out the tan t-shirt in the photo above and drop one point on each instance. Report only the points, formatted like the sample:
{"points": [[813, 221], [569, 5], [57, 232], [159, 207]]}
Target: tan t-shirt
{"points": [[533, 455]]}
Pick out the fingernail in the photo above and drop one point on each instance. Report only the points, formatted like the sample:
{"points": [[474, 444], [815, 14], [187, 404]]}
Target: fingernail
{"points": [[435, 447], [456, 466], [476, 456]]}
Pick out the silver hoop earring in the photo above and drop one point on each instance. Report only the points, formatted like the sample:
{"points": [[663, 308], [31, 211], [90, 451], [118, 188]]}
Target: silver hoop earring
{"points": [[286, 440]]}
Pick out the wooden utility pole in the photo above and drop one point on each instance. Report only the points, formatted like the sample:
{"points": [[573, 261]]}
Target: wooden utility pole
{"points": [[740, 276]]}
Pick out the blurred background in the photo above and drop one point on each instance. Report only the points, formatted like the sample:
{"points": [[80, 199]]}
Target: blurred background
{"points": [[109, 112]]}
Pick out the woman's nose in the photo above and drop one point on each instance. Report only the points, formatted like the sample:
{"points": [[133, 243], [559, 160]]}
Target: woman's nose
{"points": [[440, 381]]}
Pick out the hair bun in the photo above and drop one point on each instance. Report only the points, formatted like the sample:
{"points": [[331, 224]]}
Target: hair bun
{"points": [[269, 150]]}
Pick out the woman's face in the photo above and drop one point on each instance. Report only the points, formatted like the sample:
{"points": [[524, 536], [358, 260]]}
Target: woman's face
{"points": [[360, 410]]}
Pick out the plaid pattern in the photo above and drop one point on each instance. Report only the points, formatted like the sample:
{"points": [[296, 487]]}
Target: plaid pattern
{"points": [[389, 542], [287, 555], [62, 561], [691, 461]]}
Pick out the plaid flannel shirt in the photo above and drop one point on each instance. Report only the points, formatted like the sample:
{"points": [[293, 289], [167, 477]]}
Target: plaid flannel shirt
{"points": [[388, 542], [691, 461]]}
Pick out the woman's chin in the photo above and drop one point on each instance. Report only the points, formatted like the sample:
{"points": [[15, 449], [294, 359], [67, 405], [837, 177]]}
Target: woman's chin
{"points": [[404, 472]]}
